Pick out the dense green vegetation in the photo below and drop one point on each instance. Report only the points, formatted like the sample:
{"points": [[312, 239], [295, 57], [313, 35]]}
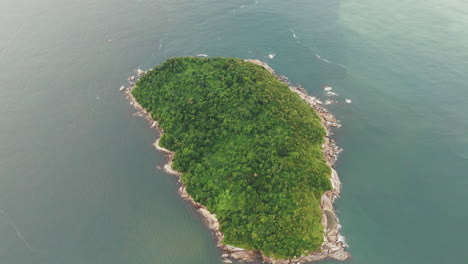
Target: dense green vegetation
{"points": [[248, 147]]}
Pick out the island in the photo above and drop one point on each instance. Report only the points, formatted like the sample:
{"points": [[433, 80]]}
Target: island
{"points": [[253, 153]]}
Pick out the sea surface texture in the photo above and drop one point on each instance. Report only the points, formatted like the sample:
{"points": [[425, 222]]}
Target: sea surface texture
{"points": [[79, 182]]}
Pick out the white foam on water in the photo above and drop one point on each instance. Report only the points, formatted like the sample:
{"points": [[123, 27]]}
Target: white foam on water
{"points": [[271, 55], [329, 93], [160, 44], [327, 61], [327, 88], [342, 239], [463, 155], [348, 101], [244, 6], [201, 55], [17, 231], [461, 149], [293, 33]]}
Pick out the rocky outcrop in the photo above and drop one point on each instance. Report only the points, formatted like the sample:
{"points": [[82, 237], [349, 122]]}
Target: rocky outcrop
{"points": [[333, 245]]}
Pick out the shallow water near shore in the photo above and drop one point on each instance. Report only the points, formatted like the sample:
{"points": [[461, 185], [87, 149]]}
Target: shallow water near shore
{"points": [[78, 173]]}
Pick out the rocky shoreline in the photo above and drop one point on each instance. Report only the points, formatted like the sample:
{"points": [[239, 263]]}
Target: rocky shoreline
{"points": [[333, 245]]}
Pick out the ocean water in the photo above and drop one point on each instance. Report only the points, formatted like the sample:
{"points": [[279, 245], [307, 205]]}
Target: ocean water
{"points": [[79, 182]]}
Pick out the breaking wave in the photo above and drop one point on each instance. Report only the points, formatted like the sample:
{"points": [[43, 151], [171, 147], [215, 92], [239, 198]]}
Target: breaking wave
{"points": [[244, 6], [327, 61], [461, 150], [17, 231], [342, 239], [293, 33]]}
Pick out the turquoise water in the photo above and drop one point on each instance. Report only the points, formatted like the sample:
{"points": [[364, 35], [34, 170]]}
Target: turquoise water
{"points": [[78, 176]]}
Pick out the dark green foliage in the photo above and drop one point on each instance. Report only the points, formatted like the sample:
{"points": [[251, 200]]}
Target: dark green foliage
{"points": [[248, 147]]}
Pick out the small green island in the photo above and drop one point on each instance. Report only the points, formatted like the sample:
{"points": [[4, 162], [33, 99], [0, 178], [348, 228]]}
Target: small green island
{"points": [[247, 147]]}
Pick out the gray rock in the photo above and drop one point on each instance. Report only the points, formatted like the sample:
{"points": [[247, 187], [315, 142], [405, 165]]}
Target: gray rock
{"points": [[243, 255], [329, 118]]}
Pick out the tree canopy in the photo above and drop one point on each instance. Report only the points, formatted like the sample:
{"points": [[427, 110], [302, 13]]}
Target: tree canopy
{"points": [[248, 148]]}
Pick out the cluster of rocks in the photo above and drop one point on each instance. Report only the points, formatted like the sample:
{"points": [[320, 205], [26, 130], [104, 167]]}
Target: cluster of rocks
{"points": [[133, 79], [331, 150], [141, 112], [330, 101]]}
